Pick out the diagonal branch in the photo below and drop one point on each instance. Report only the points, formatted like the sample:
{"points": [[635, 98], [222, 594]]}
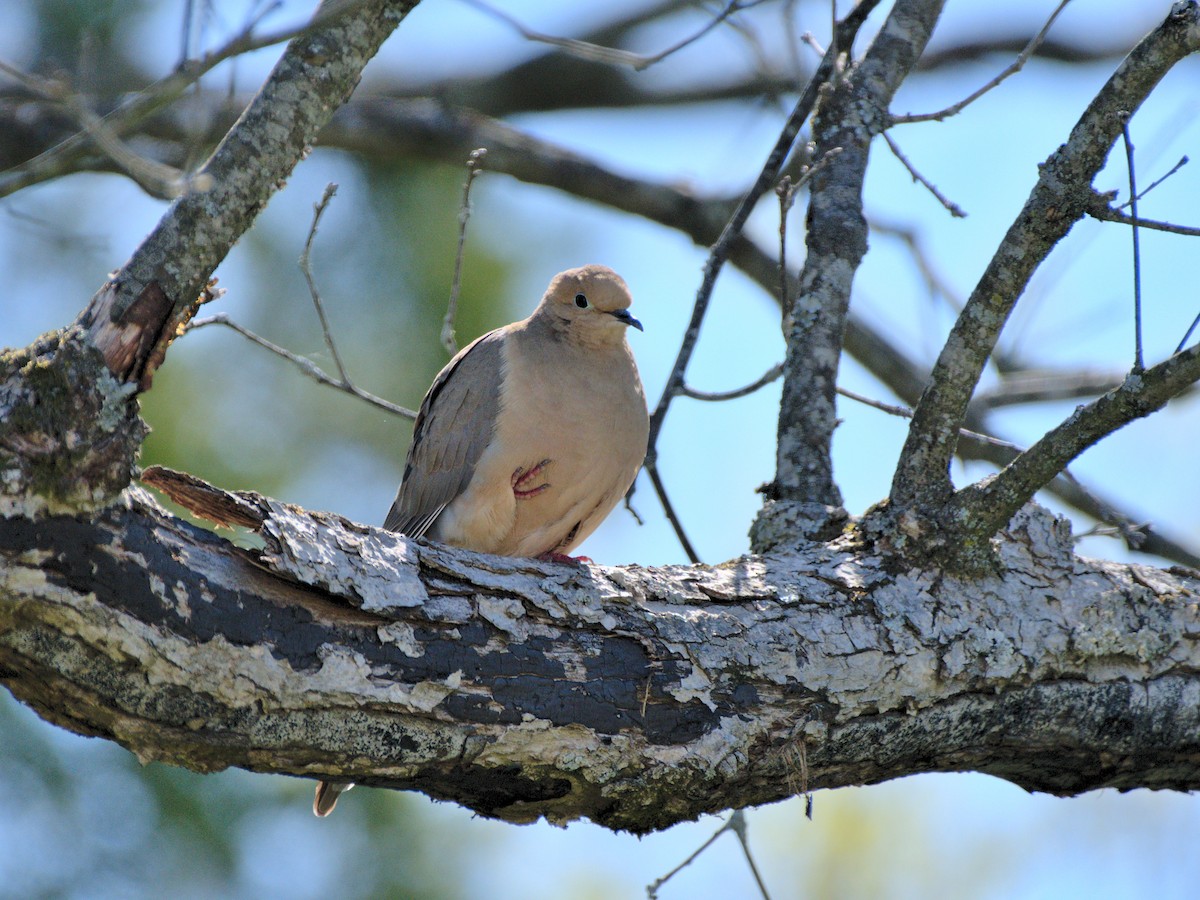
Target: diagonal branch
{"points": [[1061, 196], [1019, 63], [134, 317], [982, 509]]}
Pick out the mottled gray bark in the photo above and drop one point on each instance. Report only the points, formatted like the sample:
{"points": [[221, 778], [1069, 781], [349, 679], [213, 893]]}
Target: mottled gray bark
{"points": [[851, 115], [635, 697]]}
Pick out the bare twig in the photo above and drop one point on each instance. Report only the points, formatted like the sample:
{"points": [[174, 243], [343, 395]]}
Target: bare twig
{"points": [[772, 374], [629, 506], [786, 192], [736, 823], [1187, 334], [906, 413], [610, 55], [1102, 211], [1013, 69], [306, 267], [1041, 386], [661, 492], [474, 167], [951, 207], [1183, 161], [1138, 365], [307, 366], [1132, 534]]}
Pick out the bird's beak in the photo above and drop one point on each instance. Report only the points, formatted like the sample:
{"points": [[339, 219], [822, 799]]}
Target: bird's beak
{"points": [[622, 315]]}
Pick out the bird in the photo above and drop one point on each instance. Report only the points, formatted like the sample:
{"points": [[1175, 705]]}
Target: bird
{"points": [[528, 437]]}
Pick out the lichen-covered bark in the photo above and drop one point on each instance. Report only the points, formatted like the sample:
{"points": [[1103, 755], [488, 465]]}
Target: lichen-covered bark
{"points": [[635, 697], [68, 433], [852, 113]]}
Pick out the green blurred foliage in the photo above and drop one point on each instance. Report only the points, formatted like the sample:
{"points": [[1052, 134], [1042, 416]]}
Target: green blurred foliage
{"points": [[384, 281]]}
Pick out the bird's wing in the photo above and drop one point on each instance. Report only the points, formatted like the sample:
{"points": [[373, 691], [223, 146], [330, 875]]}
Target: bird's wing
{"points": [[454, 426]]}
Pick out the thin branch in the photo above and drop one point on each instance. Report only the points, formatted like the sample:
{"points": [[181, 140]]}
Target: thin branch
{"points": [[1138, 362], [1043, 386], [982, 509], [1183, 161], [736, 823], [1100, 209], [1013, 69], [314, 293], [786, 192], [609, 55], [1134, 534], [307, 366], [661, 492], [474, 164], [906, 413], [951, 207], [1187, 334], [772, 374]]}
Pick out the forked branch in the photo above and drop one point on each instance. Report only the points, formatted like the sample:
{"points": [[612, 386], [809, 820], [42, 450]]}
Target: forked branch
{"points": [[1061, 196]]}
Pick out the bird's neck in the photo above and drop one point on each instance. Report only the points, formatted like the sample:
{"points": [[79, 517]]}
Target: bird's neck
{"points": [[565, 332]]}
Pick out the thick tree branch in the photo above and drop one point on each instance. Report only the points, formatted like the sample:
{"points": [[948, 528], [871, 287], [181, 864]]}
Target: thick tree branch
{"points": [[850, 116], [1062, 195], [634, 697]]}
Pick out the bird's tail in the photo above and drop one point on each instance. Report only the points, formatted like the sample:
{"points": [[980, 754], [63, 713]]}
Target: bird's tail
{"points": [[327, 796]]}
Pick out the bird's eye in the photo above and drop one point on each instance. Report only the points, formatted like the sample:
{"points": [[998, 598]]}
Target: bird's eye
{"points": [[581, 301]]}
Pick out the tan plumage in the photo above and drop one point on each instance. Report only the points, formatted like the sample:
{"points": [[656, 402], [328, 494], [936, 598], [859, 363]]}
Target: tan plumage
{"points": [[530, 436]]}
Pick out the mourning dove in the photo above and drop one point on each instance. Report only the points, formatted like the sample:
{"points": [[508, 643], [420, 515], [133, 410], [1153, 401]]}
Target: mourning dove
{"points": [[530, 436]]}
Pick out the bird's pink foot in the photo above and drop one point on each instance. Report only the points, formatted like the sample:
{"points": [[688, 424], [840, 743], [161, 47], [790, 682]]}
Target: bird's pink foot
{"points": [[523, 478], [563, 558]]}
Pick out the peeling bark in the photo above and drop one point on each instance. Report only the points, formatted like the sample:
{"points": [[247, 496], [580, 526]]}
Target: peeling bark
{"points": [[634, 697]]}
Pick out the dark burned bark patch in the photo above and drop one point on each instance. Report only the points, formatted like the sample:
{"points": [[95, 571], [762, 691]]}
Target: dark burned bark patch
{"points": [[132, 579], [487, 791]]}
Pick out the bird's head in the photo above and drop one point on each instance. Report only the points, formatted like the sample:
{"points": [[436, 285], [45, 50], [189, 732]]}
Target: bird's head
{"points": [[590, 303]]}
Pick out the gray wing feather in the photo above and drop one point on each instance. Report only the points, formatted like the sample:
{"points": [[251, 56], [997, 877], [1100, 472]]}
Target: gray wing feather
{"points": [[454, 426]]}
